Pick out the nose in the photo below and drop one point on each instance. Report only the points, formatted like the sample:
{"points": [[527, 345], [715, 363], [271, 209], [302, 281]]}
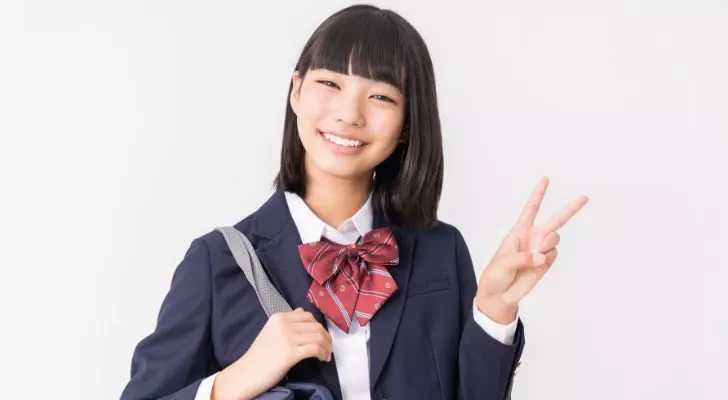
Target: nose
{"points": [[347, 109]]}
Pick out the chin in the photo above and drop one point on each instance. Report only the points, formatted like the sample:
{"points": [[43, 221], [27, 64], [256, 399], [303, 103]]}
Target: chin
{"points": [[344, 173], [341, 169]]}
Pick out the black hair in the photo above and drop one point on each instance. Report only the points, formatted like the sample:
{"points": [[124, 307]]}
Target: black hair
{"points": [[379, 44]]}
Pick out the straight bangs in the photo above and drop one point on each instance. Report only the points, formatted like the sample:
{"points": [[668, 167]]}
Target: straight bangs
{"points": [[362, 43]]}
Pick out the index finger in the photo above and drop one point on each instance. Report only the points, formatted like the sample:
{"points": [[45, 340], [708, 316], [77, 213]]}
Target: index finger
{"points": [[528, 216], [561, 218]]}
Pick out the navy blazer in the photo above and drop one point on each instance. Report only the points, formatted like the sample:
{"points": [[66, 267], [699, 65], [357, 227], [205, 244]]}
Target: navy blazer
{"points": [[424, 343]]}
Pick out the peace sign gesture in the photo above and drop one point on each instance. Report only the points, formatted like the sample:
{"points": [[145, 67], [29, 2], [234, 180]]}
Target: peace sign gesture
{"points": [[523, 257]]}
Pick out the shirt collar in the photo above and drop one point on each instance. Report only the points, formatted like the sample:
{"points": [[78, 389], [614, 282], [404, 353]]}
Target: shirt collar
{"points": [[311, 228]]}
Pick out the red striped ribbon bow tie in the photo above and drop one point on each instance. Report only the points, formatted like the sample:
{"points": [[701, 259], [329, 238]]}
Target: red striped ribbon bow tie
{"points": [[351, 280]]}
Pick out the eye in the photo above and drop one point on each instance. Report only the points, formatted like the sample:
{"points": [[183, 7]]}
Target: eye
{"points": [[327, 83], [384, 98]]}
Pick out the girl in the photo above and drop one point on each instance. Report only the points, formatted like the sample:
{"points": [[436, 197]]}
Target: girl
{"points": [[385, 296]]}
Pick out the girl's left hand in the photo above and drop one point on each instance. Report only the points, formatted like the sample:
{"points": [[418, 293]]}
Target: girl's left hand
{"points": [[523, 257]]}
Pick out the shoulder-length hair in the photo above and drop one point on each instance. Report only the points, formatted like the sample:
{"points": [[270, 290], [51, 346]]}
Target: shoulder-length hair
{"points": [[380, 45]]}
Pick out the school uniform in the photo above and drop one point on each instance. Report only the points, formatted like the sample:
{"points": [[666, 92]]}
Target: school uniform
{"points": [[428, 341]]}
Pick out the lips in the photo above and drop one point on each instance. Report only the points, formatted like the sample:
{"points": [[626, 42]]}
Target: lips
{"points": [[343, 147], [342, 140]]}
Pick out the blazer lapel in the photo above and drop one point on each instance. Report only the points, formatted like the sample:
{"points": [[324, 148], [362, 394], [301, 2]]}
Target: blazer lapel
{"points": [[279, 254], [385, 322]]}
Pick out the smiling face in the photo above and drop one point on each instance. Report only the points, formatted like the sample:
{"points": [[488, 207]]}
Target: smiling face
{"points": [[365, 74], [347, 124]]}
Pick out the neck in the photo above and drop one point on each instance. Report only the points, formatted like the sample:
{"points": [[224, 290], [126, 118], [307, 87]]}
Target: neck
{"points": [[334, 200]]}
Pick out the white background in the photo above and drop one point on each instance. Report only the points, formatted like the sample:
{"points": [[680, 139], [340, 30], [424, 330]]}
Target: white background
{"points": [[130, 128]]}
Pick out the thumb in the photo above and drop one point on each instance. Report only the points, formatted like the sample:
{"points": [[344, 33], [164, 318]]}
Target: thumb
{"points": [[524, 260]]}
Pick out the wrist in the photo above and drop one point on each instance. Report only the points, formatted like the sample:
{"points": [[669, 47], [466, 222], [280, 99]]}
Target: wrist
{"points": [[496, 309], [227, 387]]}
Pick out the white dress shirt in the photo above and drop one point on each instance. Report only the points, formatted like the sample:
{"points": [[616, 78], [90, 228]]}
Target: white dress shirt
{"points": [[351, 351]]}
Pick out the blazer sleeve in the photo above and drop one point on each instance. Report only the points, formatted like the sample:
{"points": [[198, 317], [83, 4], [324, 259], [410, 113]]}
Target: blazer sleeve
{"points": [[171, 362], [486, 366]]}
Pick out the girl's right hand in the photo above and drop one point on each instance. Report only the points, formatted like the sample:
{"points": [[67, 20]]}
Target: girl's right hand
{"points": [[286, 339]]}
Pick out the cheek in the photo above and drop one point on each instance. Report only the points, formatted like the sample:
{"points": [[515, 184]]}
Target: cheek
{"points": [[312, 106], [387, 127]]}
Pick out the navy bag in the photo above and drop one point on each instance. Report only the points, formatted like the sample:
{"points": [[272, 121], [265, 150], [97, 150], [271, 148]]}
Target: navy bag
{"points": [[272, 302], [294, 391]]}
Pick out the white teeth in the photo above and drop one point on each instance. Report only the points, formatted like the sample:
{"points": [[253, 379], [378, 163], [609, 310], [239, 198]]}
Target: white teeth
{"points": [[341, 141]]}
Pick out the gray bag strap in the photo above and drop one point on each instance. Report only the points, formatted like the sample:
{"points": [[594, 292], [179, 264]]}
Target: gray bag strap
{"points": [[248, 261]]}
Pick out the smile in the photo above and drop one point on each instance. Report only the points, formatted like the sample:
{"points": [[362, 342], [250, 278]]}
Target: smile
{"points": [[342, 141]]}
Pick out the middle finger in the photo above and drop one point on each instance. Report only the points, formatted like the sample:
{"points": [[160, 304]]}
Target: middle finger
{"points": [[561, 218]]}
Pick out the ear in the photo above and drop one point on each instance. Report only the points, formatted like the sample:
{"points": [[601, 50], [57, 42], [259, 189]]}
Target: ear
{"points": [[295, 91]]}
